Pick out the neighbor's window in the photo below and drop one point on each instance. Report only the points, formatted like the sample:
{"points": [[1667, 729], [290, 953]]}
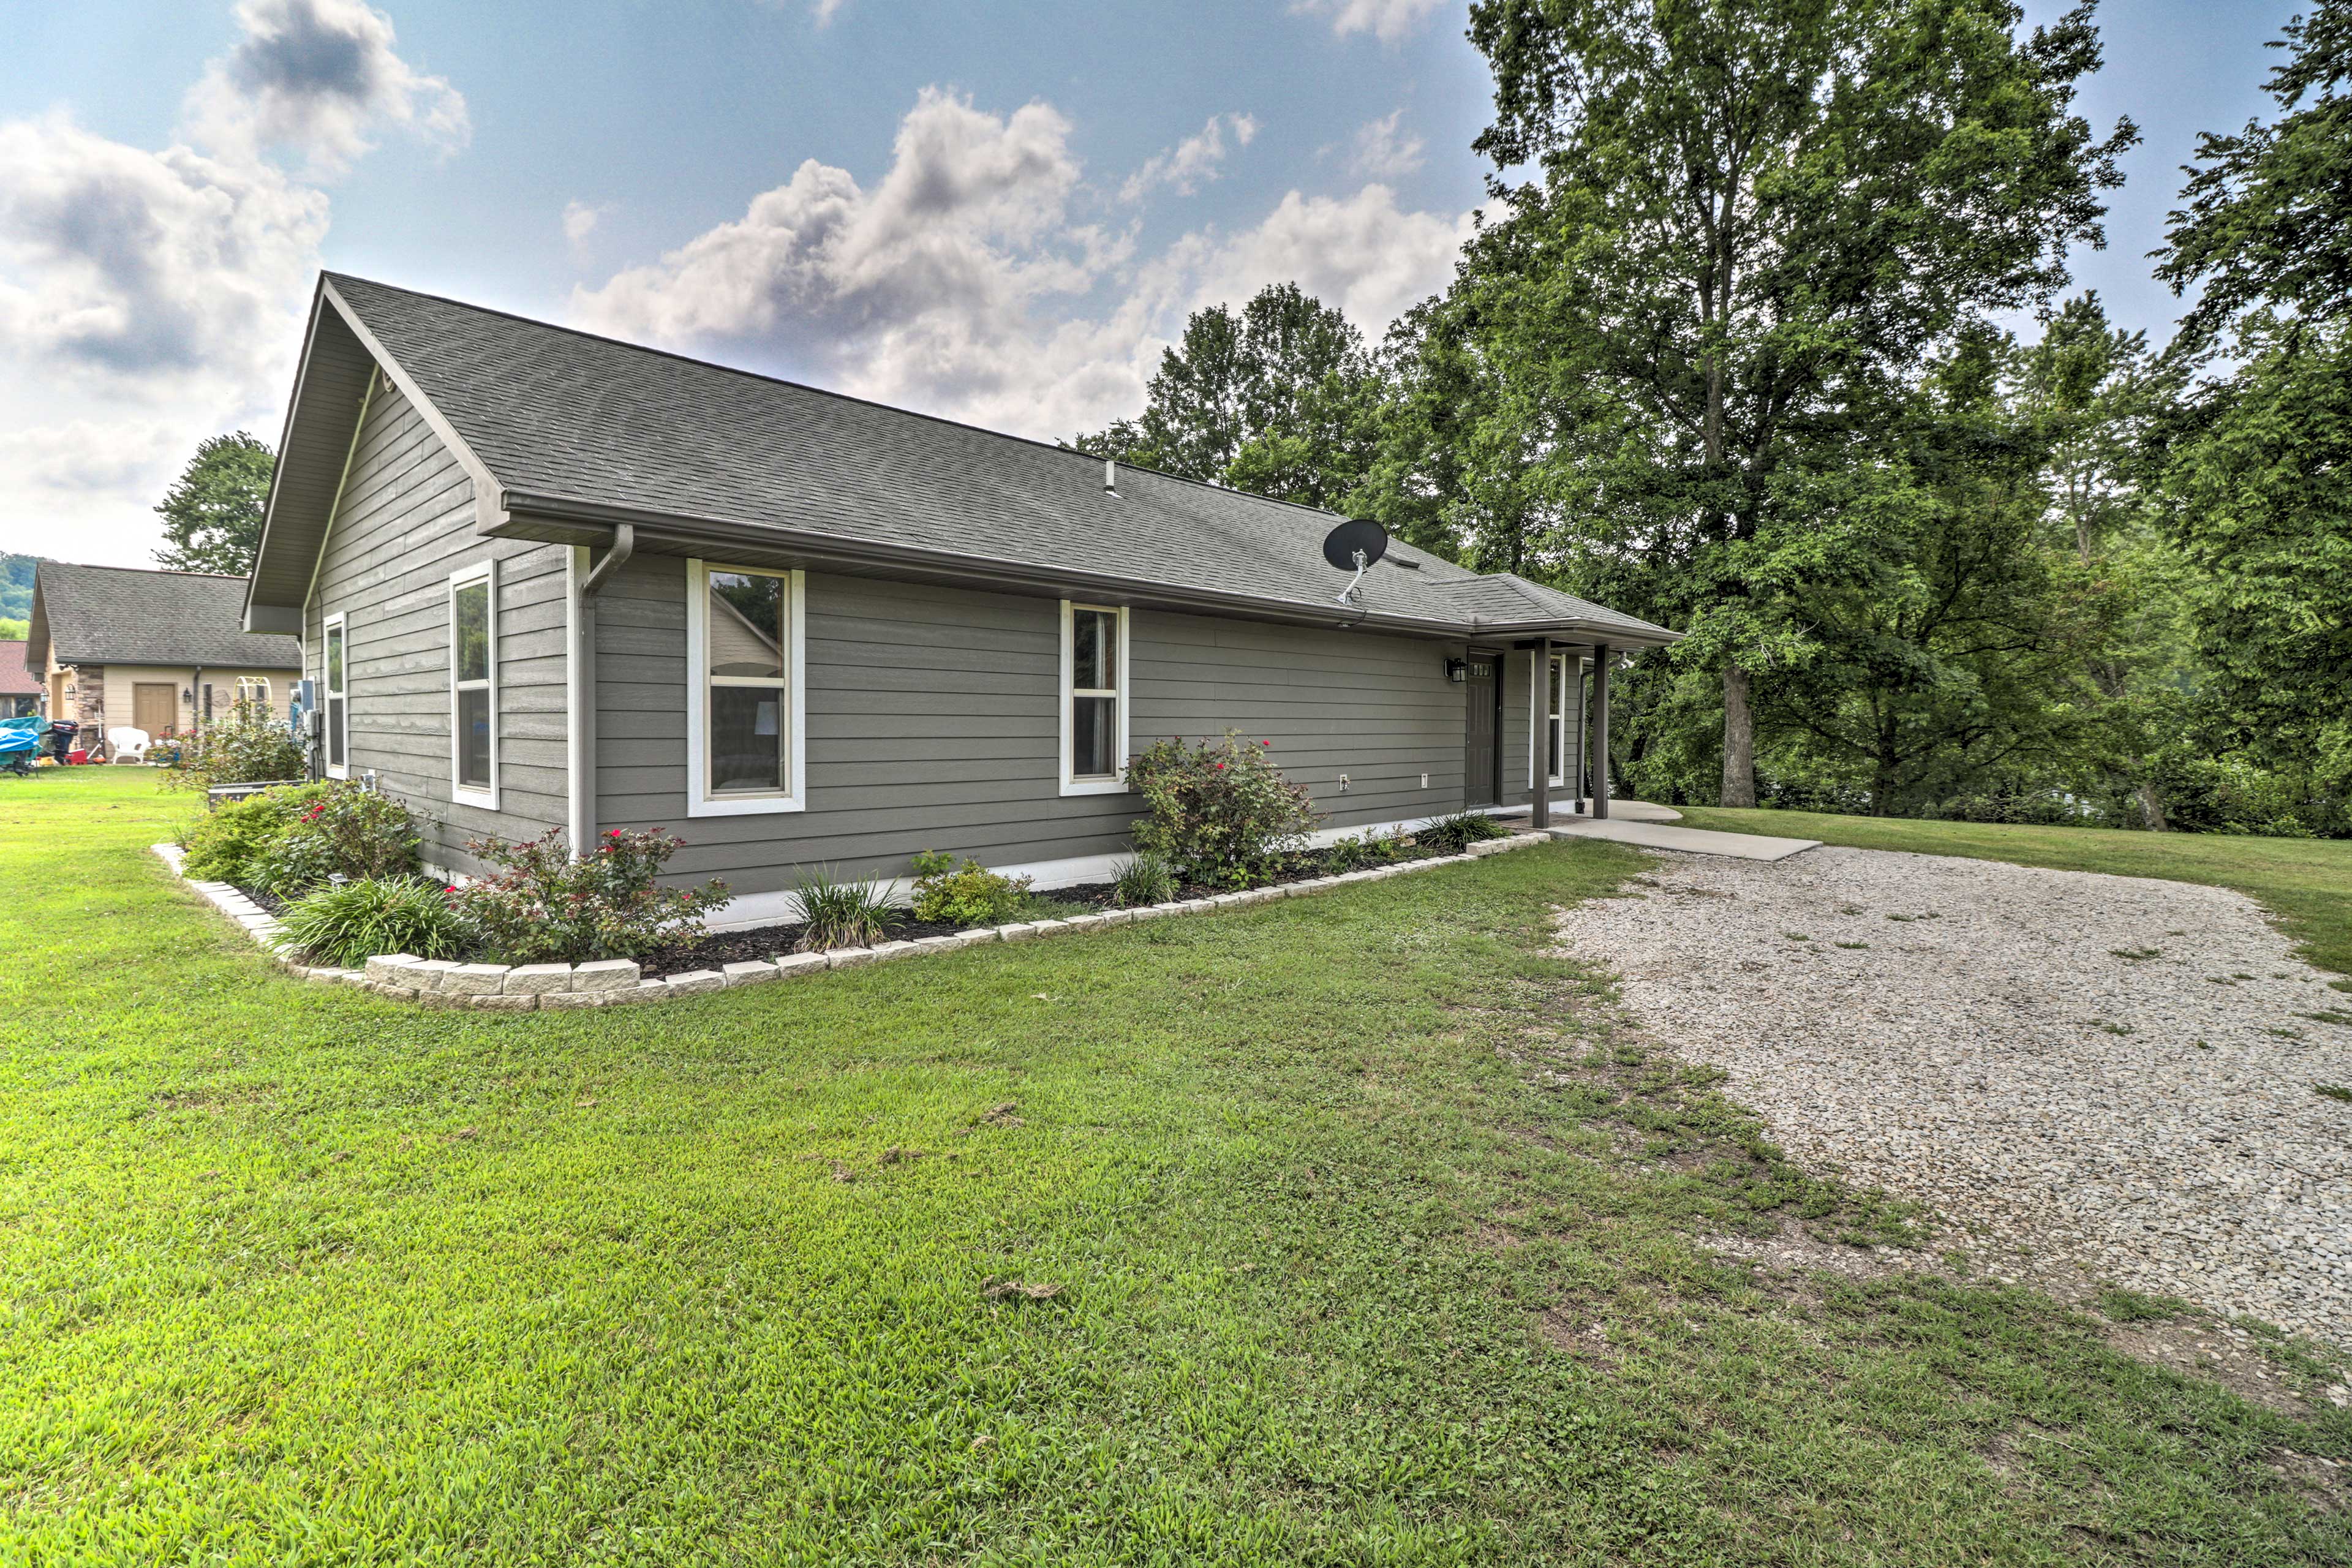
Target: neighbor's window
{"points": [[338, 763], [1094, 713], [473, 696], [744, 626]]}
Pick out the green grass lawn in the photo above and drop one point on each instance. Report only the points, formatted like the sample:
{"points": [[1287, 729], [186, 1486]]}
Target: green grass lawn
{"points": [[1370, 1241], [2306, 882]]}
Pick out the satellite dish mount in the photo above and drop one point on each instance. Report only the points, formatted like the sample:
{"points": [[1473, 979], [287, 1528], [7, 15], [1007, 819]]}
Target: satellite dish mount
{"points": [[1357, 543]]}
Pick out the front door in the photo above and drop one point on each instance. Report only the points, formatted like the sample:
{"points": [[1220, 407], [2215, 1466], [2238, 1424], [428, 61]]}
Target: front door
{"points": [[1481, 731], [154, 707]]}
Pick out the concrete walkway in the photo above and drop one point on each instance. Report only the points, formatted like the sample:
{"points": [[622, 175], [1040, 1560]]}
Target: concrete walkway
{"points": [[1656, 834]]}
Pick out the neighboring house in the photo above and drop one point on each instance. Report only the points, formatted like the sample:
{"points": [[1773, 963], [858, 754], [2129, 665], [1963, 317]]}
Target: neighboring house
{"points": [[20, 689], [115, 646], [547, 581]]}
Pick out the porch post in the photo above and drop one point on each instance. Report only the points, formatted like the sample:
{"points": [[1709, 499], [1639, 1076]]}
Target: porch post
{"points": [[1574, 768], [1541, 735], [1601, 731]]}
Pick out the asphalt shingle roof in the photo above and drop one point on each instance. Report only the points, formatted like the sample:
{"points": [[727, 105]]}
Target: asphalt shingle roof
{"points": [[120, 614], [555, 413], [17, 677]]}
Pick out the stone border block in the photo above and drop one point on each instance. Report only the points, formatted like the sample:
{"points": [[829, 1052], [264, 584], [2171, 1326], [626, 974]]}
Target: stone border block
{"points": [[694, 981], [606, 974], [475, 980], [792, 963], [751, 972], [537, 979]]}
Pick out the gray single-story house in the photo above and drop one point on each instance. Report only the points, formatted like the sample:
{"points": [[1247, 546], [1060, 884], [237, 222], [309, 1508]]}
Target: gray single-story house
{"points": [[548, 581], [126, 648]]}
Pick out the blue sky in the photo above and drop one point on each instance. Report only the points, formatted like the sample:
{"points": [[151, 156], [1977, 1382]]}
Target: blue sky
{"points": [[996, 211]]}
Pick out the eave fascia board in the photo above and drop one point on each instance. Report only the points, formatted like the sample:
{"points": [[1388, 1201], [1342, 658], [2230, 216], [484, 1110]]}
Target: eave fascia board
{"points": [[683, 533], [285, 435], [489, 509]]}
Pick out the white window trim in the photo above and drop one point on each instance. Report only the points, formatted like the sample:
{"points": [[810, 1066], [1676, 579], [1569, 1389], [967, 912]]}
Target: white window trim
{"points": [[486, 573], [329, 718], [1558, 695], [1071, 783], [698, 702]]}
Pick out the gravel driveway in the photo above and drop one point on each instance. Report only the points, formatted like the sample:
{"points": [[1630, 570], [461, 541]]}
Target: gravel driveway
{"points": [[2097, 1070]]}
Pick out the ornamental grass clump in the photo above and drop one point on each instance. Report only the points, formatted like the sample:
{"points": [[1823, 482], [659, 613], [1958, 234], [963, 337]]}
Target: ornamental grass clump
{"points": [[344, 926], [1143, 878], [839, 912], [1221, 812], [1452, 834], [542, 906]]}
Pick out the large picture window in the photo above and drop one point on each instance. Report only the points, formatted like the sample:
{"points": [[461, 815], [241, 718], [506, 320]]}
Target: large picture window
{"points": [[473, 686], [337, 703], [1094, 699], [746, 727]]}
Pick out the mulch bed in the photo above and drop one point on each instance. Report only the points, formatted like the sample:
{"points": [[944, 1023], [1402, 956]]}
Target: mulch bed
{"points": [[719, 949]]}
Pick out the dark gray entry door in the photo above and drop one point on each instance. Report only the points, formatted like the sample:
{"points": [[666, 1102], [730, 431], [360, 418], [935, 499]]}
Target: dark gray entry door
{"points": [[1484, 701]]}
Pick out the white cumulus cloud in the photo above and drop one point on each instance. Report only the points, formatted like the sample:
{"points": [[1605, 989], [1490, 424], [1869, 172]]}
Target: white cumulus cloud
{"points": [[969, 282], [1383, 150], [1192, 161], [319, 77], [151, 297], [1386, 20]]}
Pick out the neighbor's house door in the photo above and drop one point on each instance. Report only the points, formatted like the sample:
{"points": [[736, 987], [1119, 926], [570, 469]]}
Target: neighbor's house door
{"points": [[1483, 734], [154, 707]]}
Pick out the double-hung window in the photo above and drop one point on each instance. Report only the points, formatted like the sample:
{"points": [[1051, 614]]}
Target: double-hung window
{"points": [[746, 719], [1094, 699], [337, 705], [1556, 711], [473, 686]]}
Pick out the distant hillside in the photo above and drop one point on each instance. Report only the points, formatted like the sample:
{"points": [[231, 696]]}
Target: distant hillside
{"points": [[17, 586]]}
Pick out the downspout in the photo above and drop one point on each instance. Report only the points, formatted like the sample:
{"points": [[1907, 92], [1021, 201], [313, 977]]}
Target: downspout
{"points": [[583, 759]]}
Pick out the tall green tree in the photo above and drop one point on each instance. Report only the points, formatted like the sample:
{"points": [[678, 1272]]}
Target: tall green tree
{"points": [[1750, 223], [212, 515], [1280, 398], [2260, 483], [2099, 401]]}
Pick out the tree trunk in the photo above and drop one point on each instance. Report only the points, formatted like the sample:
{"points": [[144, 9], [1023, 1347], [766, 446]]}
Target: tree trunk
{"points": [[1738, 739], [2151, 806]]}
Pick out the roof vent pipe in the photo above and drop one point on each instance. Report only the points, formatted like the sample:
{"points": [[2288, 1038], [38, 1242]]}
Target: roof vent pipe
{"points": [[1110, 476]]}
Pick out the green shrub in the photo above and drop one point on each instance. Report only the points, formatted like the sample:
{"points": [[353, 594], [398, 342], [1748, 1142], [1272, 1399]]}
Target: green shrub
{"points": [[1368, 848], [542, 906], [1220, 812], [346, 925], [972, 896], [1143, 878], [227, 843], [840, 913], [1451, 833], [340, 830], [249, 745]]}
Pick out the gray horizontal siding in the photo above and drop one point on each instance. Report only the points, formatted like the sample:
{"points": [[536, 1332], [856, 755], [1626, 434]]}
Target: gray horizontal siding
{"points": [[933, 719], [405, 522]]}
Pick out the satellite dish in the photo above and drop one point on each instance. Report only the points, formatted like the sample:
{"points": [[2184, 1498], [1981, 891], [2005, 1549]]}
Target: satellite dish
{"points": [[1356, 536]]}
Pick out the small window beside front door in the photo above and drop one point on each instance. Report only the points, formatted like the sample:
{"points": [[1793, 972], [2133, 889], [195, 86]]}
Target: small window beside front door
{"points": [[338, 718]]}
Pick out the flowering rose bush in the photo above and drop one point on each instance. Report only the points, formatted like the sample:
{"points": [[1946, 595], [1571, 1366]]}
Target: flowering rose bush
{"points": [[339, 830], [543, 907], [1221, 813]]}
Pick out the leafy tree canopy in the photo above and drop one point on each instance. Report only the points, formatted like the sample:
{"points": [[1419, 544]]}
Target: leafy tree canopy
{"points": [[212, 515], [1280, 399], [1753, 220]]}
